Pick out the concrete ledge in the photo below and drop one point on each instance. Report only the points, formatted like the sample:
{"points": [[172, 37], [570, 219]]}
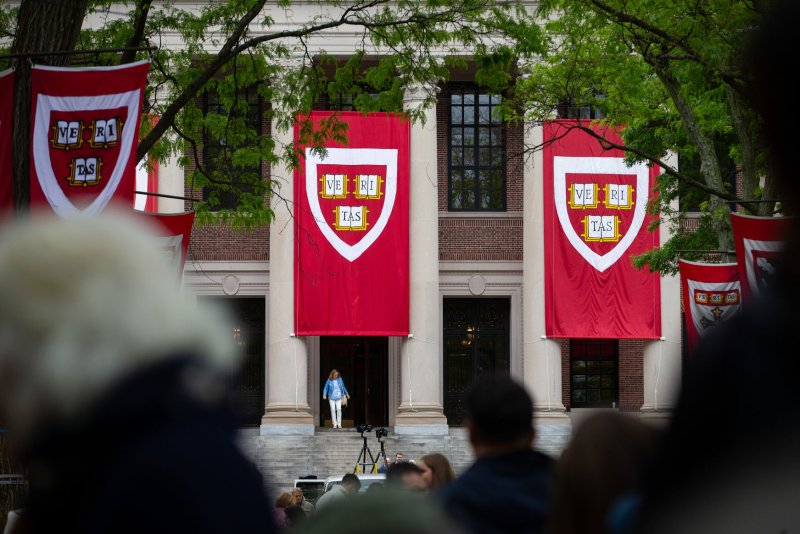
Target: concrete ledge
{"points": [[421, 430], [551, 416], [287, 430]]}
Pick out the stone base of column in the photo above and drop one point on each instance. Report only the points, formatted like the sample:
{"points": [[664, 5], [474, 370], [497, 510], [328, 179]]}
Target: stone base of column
{"points": [[649, 413], [282, 420], [420, 420], [552, 414]]}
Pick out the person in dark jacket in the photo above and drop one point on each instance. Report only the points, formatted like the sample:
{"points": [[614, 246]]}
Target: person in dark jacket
{"points": [[509, 487], [115, 388]]}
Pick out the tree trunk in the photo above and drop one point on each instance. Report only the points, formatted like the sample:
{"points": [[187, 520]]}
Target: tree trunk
{"points": [[709, 164], [42, 26]]}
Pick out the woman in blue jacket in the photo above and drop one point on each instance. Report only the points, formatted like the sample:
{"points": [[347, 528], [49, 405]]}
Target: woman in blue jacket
{"points": [[334, 390]]}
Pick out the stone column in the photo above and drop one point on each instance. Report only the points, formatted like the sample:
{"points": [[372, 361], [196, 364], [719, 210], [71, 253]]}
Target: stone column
{"points": [[171, 181], [542, 357], [662, 359], [420, 410], [287, 410]]}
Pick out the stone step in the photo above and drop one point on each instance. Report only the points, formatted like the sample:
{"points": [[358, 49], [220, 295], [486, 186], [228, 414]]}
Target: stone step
{"points": [[329, 452]]}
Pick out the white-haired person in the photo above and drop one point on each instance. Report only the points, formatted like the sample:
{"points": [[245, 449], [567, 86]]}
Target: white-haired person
{"points": [[114, 386]]}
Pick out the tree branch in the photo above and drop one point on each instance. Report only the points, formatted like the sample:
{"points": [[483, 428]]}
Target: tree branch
{"points": [[735, 81], [225, 54], [140, 19]]}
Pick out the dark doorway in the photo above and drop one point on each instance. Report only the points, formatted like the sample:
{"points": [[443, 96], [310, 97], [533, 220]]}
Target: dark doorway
{"points": [[248, 315], [363, 364], [476, 341], [593, 373]]}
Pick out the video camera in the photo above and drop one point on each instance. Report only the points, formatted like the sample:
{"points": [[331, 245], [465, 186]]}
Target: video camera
{"points": [[363, 428], [381, 433]]}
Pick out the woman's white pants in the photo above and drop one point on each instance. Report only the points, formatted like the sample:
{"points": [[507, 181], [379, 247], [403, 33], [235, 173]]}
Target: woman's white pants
{"points": [[336, 412]]}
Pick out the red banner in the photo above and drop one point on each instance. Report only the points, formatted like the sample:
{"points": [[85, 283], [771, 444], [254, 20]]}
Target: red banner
{"points": [[712, 294], [595, 219], [85, 131], [6, 133], [351, 230], [759, 246], [173, 232]]}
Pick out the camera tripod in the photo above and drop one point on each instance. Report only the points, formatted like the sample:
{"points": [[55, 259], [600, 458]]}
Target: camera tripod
{"points": [[380, 460], [362, 465]]}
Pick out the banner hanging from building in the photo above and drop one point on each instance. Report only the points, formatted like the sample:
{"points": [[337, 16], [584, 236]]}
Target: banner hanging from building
{"points": [[595, 219], [6, 134], [712, 294], [759, 245], [85, 125], [351, 229], [172, 232]]}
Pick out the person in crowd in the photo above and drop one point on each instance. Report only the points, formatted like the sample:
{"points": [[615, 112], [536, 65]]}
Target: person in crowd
{"points": [[398, 457], [334, 391], [284, 501], [507, 473], [729, 461], [436, 471], [382, 511], [600, 474], [301, 502], [384, 467], [115, 387], [349, 486], [405, 475], [295, 518]]}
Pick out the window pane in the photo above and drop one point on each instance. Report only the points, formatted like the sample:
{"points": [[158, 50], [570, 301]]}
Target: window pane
{"points": [[579, 396], [484, 136], [469, 115], [456, 136], [495, 116], [578, 365], [484, 99], [497, 200], [593, 366], [592, 396], [456, 180], [456, 159], [497, 137], [608, 382], [484, 115], [455, 115], [455, 99], [608, 396], [469, 179], [496, 99], [593, 381], [579, 381], [469, 136], [485, 158], [497, 158], [469, 100], [469, 156], [485, 200]]}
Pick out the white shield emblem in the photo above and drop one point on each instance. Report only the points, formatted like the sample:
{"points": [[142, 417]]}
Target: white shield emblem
{"points": [[88, 147], [625, 214], [386, 193]]}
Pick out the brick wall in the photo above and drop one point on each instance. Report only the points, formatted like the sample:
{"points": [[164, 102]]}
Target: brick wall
{"points": [[566, 392], [631, 374], [483, 238], [220, 242]]}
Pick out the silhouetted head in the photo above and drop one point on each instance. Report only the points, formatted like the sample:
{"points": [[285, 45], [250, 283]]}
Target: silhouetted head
{"points": [[499, 414]]}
